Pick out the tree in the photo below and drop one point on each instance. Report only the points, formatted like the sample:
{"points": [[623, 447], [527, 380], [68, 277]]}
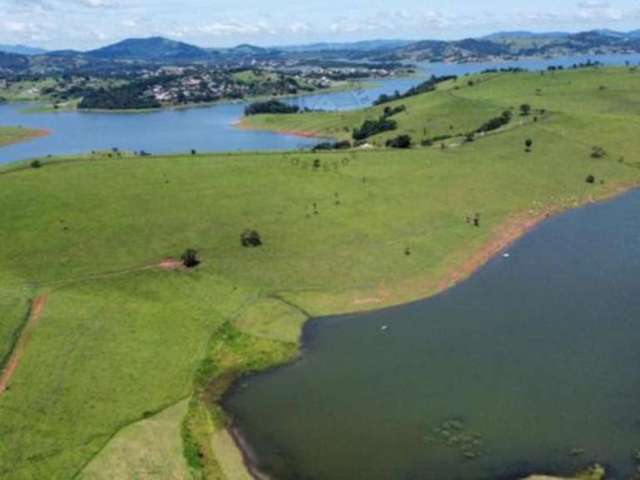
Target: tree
{"points": [[401, 141], [251, 238], [193, 151], [190, 258], [528, 143], [525, 109], [591, 179], [36, 164]]}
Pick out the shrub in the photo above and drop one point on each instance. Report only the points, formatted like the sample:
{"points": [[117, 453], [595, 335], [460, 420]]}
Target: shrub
{"points": [[598, 152], [190, 258], [323, 146], [591, 179], [343, 145], [251, 239], [36, 164], [469, 137], [525, 109], [401, 141]]}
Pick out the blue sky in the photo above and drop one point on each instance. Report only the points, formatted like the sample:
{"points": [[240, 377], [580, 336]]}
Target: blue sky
{"points": [[86, 24]]}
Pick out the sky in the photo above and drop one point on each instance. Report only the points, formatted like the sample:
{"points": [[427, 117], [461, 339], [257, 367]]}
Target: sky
{"points": [[86, 24]]}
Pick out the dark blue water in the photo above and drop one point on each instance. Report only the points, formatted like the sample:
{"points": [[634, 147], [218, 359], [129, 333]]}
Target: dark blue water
{"points": [[530, 366], [212, 128]]}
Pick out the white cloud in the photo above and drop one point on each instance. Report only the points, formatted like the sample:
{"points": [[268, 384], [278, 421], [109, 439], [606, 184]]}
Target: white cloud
{"points": [[98, 3]]}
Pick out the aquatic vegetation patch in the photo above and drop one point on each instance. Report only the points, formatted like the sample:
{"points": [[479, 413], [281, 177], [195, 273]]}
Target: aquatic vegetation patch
{"points": [[454, 433]]}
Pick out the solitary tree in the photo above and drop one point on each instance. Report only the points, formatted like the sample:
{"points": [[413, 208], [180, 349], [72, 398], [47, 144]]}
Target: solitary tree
{"points": [[528, 143], [591, 179], [525, 109], [251, 238], [36, 164], [190, 258]]}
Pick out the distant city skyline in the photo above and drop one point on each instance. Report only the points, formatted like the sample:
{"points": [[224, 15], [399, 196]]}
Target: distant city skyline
{"points": [[85, 24]]}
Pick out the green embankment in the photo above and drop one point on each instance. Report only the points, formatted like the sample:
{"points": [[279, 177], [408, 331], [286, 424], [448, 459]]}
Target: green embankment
{"points": [[121, 340], [9, 135]]}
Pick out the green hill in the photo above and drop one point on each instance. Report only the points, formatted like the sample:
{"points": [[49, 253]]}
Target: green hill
{"points": [[124, 334]]}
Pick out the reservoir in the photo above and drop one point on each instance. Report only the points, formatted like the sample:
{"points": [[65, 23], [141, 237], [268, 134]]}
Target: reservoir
{"points": [[529, 366], [212, 128]]}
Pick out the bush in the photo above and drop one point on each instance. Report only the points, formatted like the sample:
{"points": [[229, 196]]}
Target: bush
{"points": [[598, 152], [401, 141], [343, 145], [528, 143], [525, 109], [190, 258], [591, 179], [323, 146], [251, 239], [36, 164]]}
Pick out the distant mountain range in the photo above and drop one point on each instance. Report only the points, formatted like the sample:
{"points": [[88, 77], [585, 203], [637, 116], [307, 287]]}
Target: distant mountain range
{"points": [[506, 45], [21, 50]]}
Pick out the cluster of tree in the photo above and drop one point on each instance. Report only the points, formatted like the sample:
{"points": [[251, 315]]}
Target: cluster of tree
{"points": [[496, 122], [342, 145], [127, 97], [401, 141], [270, 106], [373, 127], [424, 87], [505, 70]]}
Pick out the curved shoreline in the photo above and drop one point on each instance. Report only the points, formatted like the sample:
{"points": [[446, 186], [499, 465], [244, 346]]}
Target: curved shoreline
{"points": [[245, 124], [30, 134], [512, 230]]}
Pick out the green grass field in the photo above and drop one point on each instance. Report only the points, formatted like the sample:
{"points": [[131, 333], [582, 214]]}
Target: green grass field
{"points": [[121, 340]]}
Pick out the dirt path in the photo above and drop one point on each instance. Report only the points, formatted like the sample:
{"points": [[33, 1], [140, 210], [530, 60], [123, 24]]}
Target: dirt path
{"points": [[37, 307]]}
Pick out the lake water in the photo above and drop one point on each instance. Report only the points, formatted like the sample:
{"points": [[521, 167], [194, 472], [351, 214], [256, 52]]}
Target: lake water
{"points": [[529, 366], [212, 128]]}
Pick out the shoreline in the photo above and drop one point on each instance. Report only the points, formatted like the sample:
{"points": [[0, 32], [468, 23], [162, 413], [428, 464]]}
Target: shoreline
{"points": [[505, 235], [31, 134], [244, 124]]}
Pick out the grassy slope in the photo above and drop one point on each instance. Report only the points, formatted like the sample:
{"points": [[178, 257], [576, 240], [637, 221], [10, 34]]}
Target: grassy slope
{"points": [[118, 341], [128, 456]]}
